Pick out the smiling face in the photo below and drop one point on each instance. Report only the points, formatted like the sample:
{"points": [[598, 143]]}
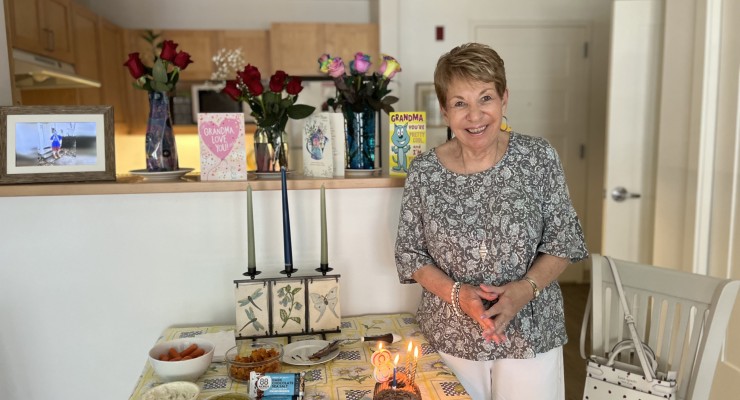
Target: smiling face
{"points": [[474, 111]]}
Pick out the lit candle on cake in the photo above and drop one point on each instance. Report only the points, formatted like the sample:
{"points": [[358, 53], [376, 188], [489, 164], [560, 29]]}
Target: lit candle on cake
{"points": [[412, 374], [287, 247], [395, 367], [408, 357], [380, 356]]}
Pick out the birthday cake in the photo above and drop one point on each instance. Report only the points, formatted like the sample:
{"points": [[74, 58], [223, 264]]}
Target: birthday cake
{"points": [[402, 391]]}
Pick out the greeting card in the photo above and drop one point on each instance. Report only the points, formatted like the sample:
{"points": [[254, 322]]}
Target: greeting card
{"points": [[408, 139], [223, 152], [317, 147]]}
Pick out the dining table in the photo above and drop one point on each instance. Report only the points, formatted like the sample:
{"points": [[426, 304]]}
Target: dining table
{"points": [[347, 375]]}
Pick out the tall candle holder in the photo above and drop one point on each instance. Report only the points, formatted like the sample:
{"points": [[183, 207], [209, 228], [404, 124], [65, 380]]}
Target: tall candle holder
{"points": [[251, 264], [324, 263]]}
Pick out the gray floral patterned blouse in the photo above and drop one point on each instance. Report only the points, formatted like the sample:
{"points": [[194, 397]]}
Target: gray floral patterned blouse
{"points": [[488, 228]]}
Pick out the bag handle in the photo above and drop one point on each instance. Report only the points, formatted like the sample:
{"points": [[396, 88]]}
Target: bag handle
{"points": [[626, 345], [630, 320]]}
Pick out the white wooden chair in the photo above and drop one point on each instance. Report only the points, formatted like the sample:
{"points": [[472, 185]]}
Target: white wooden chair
{"points": [[682, 316]]}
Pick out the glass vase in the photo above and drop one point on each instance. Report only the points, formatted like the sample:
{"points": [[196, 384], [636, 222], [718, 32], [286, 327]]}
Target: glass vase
{"points": [[270, 148], [161, 150], [360, 131]]}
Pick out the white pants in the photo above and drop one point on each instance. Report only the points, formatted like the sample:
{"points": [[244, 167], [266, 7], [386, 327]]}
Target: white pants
{"points": [[539, 378]]}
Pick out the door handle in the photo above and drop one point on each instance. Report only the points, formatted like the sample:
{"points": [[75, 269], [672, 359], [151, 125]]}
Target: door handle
{"points": [[620, 194]]}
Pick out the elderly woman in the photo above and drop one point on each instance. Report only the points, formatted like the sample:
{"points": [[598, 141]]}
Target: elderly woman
{"points": [[486, 227]]}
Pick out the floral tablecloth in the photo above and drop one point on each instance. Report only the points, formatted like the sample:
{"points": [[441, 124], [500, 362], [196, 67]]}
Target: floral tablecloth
{"points": [[348, 376]]}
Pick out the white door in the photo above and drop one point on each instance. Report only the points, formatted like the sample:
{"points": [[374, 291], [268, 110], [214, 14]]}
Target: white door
{"points": [[632, 117], [547, 70]]}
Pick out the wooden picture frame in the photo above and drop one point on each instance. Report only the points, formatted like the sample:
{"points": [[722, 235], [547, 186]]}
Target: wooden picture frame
{"points": [[41, 144], [426, 100]]}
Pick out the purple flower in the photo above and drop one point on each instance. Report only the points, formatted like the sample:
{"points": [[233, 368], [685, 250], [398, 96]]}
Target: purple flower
{"points": [[360, 64]]}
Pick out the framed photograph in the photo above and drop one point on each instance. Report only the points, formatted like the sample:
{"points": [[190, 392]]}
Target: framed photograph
{"points": [[56, 144], [426, 100]]}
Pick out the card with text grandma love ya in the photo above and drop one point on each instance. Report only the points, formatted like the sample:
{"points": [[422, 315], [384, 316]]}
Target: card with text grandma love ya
{"points": [[223, 151]]}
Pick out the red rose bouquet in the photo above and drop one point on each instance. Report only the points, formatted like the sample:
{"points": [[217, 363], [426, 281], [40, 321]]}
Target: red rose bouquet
{"points": [[164, 73], [272, 106]]}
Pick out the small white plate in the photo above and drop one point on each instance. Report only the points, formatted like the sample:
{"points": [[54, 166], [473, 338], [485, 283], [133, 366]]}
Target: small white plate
{"points": [[361, 172], [297, 353], [161, 176], [271, 175], [186, 390]]}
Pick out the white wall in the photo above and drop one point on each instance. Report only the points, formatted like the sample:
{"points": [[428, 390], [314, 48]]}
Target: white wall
{"points": [[87, 283]]}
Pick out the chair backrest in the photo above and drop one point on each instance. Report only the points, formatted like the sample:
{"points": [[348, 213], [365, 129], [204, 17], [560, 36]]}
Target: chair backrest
{"points": [[682, 316]]}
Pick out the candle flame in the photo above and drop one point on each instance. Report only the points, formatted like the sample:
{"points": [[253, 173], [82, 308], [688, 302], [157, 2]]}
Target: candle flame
{"points": [[416, 352], [410, 344], [395, 360], [380, 345]]}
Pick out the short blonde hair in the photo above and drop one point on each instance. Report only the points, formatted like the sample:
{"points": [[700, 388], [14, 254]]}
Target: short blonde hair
{"points": [[470, 62]]}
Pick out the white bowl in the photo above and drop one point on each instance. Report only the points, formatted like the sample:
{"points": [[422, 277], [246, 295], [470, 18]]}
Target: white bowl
{"points": [[184, 370], [179, 390]]}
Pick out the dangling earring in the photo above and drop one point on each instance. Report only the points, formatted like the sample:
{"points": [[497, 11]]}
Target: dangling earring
{"points": [[505, 125]]}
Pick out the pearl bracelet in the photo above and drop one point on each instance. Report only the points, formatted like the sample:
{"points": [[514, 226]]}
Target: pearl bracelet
{"points": [[455, 298]]}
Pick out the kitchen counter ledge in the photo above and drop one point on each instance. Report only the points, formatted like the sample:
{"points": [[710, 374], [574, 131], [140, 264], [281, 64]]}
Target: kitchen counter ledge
{"points": [[128, 184]]}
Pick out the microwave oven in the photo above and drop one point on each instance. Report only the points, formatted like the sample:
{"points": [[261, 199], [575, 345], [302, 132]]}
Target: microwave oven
{"points": [[208, 98]]}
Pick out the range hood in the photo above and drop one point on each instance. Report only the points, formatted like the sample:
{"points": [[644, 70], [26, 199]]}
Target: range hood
{"points": [[37, 72]]}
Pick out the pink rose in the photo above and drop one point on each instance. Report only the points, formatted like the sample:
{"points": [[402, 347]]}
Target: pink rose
{"points": [[182, 60], [169, 50], [360, 64], [294, 86], [389, 67], [135, 66], [336, 67]]}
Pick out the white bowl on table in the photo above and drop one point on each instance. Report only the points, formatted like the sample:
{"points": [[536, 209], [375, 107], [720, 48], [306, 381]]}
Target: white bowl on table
{"points": [[183, 370], [177, 390]]}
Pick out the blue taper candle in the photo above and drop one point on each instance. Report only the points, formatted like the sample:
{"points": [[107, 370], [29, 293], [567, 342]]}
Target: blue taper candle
{"points": [[287, 250]]}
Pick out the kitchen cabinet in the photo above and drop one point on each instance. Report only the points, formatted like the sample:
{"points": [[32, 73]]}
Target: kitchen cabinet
{"points": [[114, 77], [86, 35], [43, 27], [296, 47], [255, 45]]}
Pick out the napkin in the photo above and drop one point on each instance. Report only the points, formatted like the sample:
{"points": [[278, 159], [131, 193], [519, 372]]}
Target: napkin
{"points": [[223, 341]]}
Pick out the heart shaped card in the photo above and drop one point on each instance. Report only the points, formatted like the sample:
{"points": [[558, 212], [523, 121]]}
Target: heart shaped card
{"points": [[223, 153]]}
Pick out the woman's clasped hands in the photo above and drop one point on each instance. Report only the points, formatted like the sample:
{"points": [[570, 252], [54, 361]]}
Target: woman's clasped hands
{"points": [[508, 300]]}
